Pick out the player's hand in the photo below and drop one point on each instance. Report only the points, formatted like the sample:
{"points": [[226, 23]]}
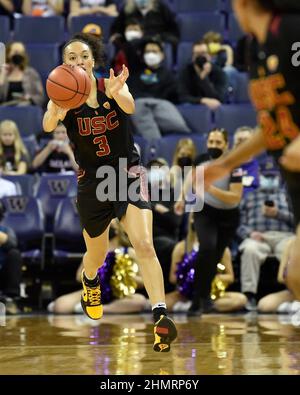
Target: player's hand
{"points": [[56, 111], [290, 159], [115, 84]]}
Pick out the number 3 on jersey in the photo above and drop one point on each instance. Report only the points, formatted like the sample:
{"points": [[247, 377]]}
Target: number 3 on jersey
{"points": [[103, 145]]}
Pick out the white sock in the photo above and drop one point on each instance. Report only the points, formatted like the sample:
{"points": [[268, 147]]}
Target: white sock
{"points": [[161, 305]]}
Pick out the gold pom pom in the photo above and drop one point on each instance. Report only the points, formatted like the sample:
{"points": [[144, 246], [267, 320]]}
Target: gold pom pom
{"points": [[122, 281]]}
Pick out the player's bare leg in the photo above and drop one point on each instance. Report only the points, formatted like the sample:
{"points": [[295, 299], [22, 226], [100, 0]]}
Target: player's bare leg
{"points": [[93, 259], [138, 225]]}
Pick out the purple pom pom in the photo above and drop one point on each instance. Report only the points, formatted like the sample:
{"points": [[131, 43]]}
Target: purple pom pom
{"points": [[185, 275], [105, 273]]}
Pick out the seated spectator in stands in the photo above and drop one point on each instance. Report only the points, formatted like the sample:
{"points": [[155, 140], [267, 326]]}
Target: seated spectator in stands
{"points": [[10, 266], [202, 82], [44, 8], [128, 47], [155, 16], [7, 188], [184, 155], [250, 168], [282, 301], [166, 223], [57, 156], [93, 7], [266, 225], [154, 87], [70, 303], [20, 84], [13, 153], [223, 301], [222, 55]]}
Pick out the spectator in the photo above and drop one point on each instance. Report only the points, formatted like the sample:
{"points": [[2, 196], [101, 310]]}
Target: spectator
{"points": [[216, 223], [13, 153], [265, 227], [166, 223], [222, 55], [202, 82], [250, 168], [281, 301], [10, 266], [93, 7], [20, 84], [44, 8], [57, 156], [128, 48], [184, 155], [223, 301], [154, 87], [156, 17], [11, 8]]}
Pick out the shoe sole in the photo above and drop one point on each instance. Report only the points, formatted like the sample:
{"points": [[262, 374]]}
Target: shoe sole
{"points": [[86, 313], [164, 334]]}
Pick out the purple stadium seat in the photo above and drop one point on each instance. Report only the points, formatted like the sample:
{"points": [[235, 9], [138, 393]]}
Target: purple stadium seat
{"points": [[25, 182], [67, 232], [233, 116], [4, 29], [25, 216], [194, 25], [196, 5], [198, 117], [33, 30], [52, 188], [28, 118]]}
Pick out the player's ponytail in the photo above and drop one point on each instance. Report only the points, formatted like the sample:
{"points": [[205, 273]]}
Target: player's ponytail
{"points": [[280, 5]]}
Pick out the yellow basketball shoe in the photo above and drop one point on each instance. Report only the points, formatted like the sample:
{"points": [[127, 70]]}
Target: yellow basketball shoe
{"points": [[164, 333], [91, 298]]}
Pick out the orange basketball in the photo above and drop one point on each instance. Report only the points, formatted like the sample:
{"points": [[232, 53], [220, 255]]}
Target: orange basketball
{"points": [[68, 86]]}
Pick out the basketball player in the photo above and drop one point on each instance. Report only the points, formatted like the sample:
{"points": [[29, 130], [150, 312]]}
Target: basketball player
{"points": [[275, 92], [100, 133]]}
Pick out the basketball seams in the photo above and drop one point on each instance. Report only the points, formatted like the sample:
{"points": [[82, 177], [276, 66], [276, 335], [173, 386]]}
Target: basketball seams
{"points": [[65, 87]]}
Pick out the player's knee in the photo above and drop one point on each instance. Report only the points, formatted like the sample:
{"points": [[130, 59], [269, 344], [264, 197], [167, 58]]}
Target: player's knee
{"points": [[144, 248]]}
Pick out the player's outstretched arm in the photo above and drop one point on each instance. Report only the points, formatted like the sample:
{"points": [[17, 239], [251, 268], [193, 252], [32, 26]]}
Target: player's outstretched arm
{"points": [[52, 116], [291, 155]]}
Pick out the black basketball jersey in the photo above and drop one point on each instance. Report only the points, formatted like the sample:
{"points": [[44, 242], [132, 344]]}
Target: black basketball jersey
{"points": [[100, 136], [275, 83]]}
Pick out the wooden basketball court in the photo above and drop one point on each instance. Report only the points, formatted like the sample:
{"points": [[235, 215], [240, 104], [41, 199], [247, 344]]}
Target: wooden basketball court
{"points": [[122, 344]]}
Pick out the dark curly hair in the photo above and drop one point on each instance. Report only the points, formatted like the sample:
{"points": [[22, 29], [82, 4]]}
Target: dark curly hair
{"points": [[94, 43]]}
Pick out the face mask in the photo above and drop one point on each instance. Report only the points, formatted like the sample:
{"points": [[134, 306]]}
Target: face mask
{"points": [[200, 61], [142, 3], [214, 153], [184, 161], [269, 183], [133, 35], [17, 59], [152, 59], [214, 48]]}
